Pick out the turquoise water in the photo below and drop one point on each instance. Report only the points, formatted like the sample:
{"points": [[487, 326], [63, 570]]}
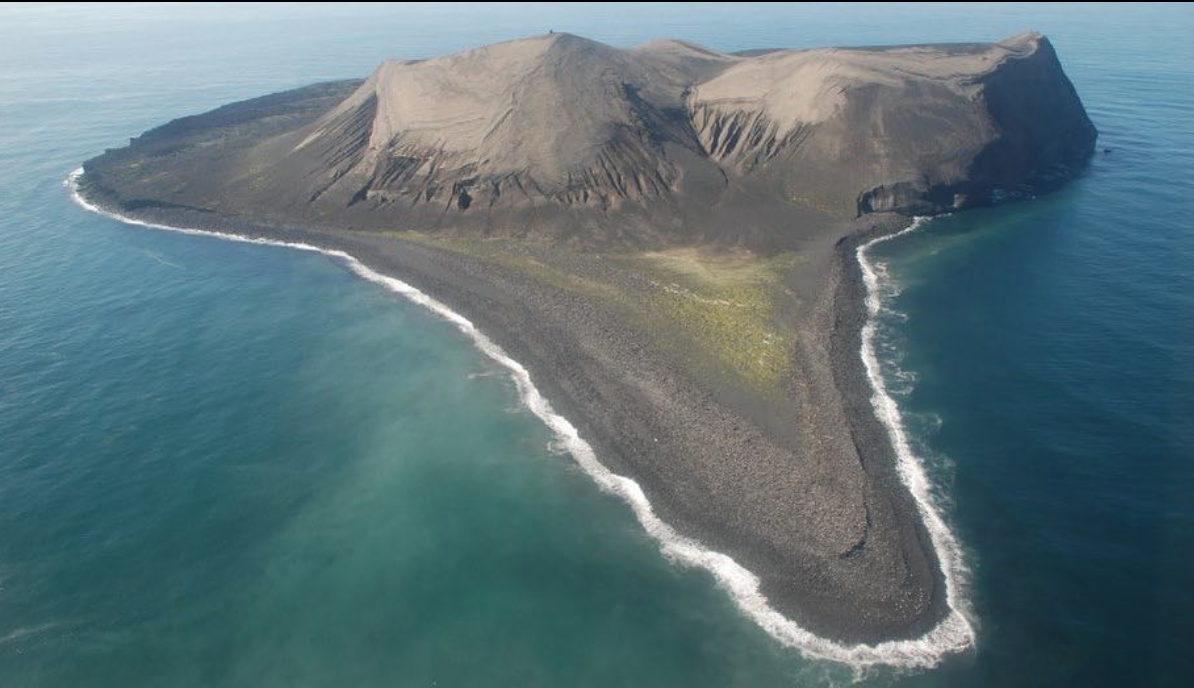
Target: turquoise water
{"points": [[233, 465]]}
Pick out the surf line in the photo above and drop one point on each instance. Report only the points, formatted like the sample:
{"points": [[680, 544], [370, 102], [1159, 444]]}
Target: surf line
{"points": [[953, 634], [956, 630]]}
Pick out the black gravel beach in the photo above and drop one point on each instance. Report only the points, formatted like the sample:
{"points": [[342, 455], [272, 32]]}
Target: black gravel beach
{"points": [[743, 476]]}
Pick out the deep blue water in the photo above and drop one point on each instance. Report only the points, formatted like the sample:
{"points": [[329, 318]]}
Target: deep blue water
{"points": [[237, 465]]}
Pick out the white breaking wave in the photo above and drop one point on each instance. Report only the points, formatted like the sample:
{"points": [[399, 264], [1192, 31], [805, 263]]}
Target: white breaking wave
{"points": [[953, 634], [956, 631]]}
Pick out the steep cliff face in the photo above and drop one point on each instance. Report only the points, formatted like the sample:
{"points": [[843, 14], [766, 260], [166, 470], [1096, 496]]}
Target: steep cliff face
{"points": [[560, 137], [1035, 134], [917, 129]]}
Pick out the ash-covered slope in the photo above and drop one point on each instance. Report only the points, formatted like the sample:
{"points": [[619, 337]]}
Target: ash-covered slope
{"points": [[560, 137], [560, 116], [919, 129]]}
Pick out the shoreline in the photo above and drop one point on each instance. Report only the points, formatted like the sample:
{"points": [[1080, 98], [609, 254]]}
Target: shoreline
{"points": [[950, 633], [862, 306]]}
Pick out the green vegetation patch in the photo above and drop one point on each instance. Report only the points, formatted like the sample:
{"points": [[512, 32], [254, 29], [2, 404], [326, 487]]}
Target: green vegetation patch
{"points": [[714, 311], [724, 307]]}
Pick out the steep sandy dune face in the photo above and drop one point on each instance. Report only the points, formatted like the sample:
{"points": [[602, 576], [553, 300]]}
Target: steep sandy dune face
{"points": [[561, 138]]}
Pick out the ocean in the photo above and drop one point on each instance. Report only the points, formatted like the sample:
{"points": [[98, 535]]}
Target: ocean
{"points": [[226, 464]]}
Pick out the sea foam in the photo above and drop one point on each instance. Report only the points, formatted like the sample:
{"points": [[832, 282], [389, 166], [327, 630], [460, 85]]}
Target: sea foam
{"points": [[953, 634]]}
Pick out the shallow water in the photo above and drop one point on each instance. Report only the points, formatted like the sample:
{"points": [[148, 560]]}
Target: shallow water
{"points": [[241, 465]]}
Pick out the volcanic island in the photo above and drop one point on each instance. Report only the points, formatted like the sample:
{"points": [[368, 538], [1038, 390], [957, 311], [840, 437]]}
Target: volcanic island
{"points": [[666, 237]]}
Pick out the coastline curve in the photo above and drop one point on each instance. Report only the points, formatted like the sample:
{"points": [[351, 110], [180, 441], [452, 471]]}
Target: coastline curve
{"points": [[951, 635]]}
